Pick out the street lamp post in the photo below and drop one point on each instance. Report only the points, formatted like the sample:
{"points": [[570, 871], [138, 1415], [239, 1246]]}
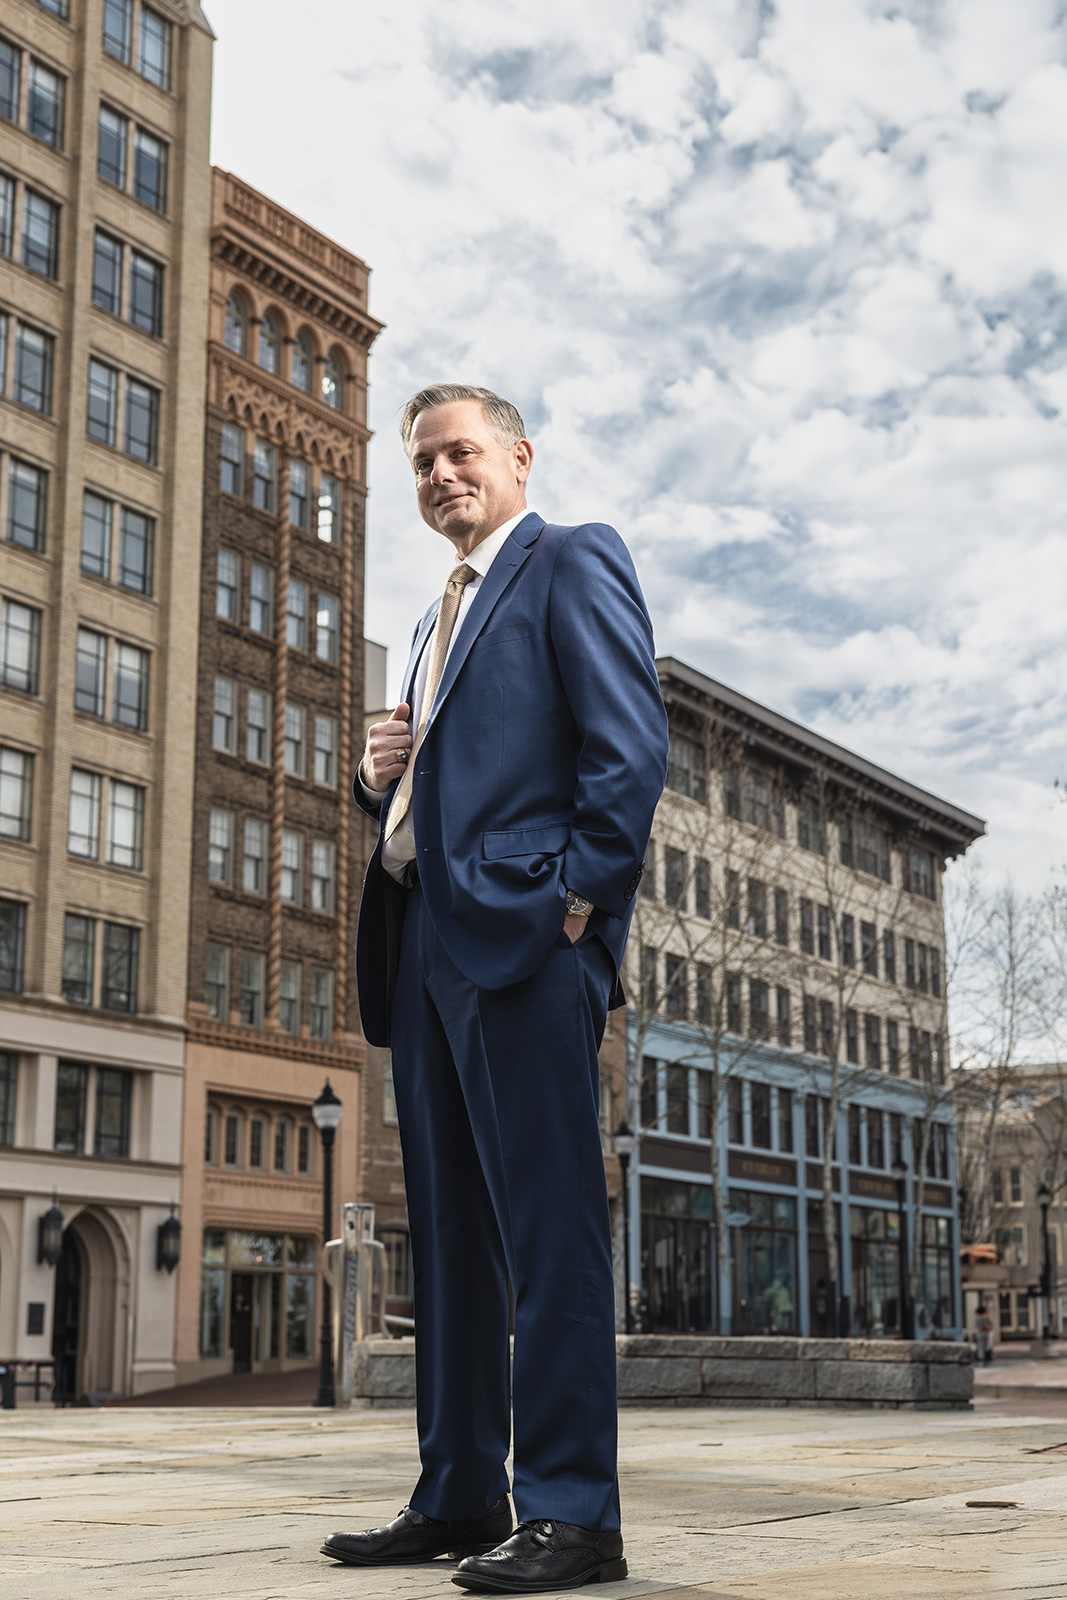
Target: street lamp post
{"points": [[327, 1114], [1044, 1198], [624, 1149], [907, 1321]]}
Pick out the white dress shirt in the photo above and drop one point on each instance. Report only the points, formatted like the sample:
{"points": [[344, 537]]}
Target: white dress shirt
{"points": [[400, 849]]}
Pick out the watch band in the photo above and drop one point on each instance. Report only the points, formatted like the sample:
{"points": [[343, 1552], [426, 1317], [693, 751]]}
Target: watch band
{"points": [[576, 906]]}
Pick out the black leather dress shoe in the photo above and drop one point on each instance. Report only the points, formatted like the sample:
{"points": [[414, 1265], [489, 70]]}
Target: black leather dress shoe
{"points": [[545, 1555], [412, 1537]]}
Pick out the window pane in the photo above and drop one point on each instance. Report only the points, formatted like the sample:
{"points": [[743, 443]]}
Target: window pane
{"points": [[301, 370], [9, 1065], [326, 751], [103, 394], [292, 865], [79, 937], [107, 273], [217, 982], [16, 793], [40, 235], [236, 325], [118, 28], [333, 383], [20, 645], [112, 1137], [146, 294], [125, 826], [154, 50], [7, 198], [269, 344], [329, 527], [89, 665], [261, 600], [224, 716], [83, 820], [149, 169], [111, 147], [296, 616], [289, 999], [252, 989], [257, 726], [226, 585], [118, 991], [135, 551], [142, 421], [322, 875], [58, 8], [72, 1080], [12, 933], [299, 502], [26, 496], [254, 874], [131, 687], [299, 1315], [294, 740], [33, 369], [44, 105], [231, 460], [321, 1018], [326, 628], [263, 476], [10, 60], [220, 847]]}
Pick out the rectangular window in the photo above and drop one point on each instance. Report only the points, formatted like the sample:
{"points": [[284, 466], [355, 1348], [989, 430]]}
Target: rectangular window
{"points": [[227, 585], [12, 937], [261, 602], [40, 234], [292, 867], [763, 806], [296, 616], [142, 421], [7, 196], [889, 957], [703, 1105], [811, 827], [27, 504], [326, 751], [848, 941], [112, 135], [825, 951], [295, 750], [149, 169], [812, 1129], [909, 964], [785, 1021], [33, 368], [811, 1031], [224, 716], [220, 847], [79, 945], [252, 964], [807, 927], [146, 294], [96, 536], [677, 1085], [647, 887], [231, 1140], [257, 727], [232, 461], [153, 55], [136, 538], [758, 1009], [922, 873], [935, 973], [9, 1066], [83, 817], [735, 1111], [125, 832], [281, 1145], [58, 8], [733, 898], [869, 949], [704, 992], [702, 888], [102, 414], [855, 1137], [761, 1115], [756, 922], [289, 997], [733, 1004], [131, 687], [16, 793], [20, 646], [852, 1037], [785, 1119], [254, 869], [1015, 1178], [118, 28], [256, 1131], [321, 1017], [72, 1083], [217, 981], [676, 980], [263, 476], [892, 1047], [781, 917], [326, 615], [329, 525], [827, 1043], [913, 1051], [675, 875], [299, 494], [111, 1139], [686, 767], [923, 979], [322, 875], [649, 969], [10, 67], [118, 984], [44, 105], [875, 1138], [872, 1036], [89, 670], [303, 1145]]}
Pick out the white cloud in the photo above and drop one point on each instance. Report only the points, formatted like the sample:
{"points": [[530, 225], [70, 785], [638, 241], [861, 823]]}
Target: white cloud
{"points": [[782, 293]]}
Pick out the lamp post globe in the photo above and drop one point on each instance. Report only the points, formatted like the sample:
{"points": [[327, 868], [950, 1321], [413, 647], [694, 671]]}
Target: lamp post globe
{"points": [[326, 1114], [625, 1142]]}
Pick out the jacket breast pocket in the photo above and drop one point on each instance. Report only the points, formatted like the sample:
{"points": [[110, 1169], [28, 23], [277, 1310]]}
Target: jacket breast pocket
{"points": [[547, 840]]}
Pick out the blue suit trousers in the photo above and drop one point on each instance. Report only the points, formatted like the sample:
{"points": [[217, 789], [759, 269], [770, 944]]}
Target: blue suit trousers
{"points": [[497, 1097]]}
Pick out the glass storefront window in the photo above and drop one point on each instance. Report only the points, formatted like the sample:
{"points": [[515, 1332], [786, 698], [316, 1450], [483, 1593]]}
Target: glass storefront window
{"points": [[299, 1315], [875, 1272], [256, 1249], [933, 1296], [764, 1263], [212, 1311], [301, 1252], [677, 1256], [246, 1280]]}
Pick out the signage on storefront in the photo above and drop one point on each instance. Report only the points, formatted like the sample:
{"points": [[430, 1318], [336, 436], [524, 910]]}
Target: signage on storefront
{"points": [[938, 1195], [762, 1169], [677, 1157], [866, 1186], [815, 1177]]}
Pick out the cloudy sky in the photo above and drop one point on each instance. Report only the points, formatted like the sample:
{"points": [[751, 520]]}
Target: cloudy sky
{"points": [[781, 291]]}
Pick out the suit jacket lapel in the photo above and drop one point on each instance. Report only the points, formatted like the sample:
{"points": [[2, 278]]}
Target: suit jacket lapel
{"points": [[517, 547], [418, 645]]}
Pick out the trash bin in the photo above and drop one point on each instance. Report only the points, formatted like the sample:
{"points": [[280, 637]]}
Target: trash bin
{"points": [[7, 1388]]}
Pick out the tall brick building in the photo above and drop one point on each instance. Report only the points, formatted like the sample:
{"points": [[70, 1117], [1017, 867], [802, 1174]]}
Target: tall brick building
{"points": [[278, 847]]}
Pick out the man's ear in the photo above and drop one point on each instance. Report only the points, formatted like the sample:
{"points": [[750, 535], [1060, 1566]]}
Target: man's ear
{"points": [[523, 459]]}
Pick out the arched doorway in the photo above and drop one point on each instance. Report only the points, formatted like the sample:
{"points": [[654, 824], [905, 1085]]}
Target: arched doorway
{"points": [[86, 1327]]}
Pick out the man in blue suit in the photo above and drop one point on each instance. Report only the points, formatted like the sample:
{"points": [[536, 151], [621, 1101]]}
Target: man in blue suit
{"points": [[515, 787]]}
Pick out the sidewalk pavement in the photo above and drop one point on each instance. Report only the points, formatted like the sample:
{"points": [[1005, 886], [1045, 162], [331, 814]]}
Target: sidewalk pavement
{"points": [[765, 1504]]}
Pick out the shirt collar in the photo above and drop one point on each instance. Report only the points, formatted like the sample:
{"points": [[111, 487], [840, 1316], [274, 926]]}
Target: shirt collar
{"points": [[485, 553]]}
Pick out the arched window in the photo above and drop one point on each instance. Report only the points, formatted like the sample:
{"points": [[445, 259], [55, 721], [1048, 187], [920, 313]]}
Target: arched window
{"points": [[302, 363], [270, 344], [333, 382], [236, 324]]}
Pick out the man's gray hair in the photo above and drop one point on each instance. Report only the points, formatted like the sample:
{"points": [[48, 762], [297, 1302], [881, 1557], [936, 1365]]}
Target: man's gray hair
{"points": [[504, 421]]}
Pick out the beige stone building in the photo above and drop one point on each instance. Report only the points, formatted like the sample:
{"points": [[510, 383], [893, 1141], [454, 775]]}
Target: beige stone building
{"points": [[104, 215]]}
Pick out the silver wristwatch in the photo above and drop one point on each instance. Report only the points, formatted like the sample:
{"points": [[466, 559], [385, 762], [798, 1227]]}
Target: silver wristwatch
{"points": [[576, 906]]}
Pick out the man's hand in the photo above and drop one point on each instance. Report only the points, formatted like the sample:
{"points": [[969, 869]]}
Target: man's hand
{"points": [[574, 926], [381, 763]]}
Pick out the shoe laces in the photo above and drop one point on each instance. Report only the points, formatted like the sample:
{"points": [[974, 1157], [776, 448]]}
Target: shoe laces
{"points": [[541, 1529]]}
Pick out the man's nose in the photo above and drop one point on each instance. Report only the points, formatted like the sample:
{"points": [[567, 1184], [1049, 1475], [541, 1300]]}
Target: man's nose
{"points": [[442, 470]]}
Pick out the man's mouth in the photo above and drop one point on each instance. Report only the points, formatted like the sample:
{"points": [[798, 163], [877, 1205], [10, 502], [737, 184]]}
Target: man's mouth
{"points": [[452, 500]]}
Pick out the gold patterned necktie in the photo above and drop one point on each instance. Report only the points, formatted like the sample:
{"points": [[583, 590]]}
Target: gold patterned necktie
{"points": [[458, 579]]}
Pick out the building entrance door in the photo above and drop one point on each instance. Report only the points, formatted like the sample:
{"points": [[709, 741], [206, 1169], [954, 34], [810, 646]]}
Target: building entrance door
{"points": [[820, 1288], [66, 1320], [241, 1321]]}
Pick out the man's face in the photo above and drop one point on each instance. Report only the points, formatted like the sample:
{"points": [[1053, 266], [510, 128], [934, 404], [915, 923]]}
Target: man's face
{"points": [[467, 483]]}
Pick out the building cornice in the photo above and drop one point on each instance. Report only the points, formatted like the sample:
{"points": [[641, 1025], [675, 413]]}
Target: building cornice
{"points": [[344, 1052]]}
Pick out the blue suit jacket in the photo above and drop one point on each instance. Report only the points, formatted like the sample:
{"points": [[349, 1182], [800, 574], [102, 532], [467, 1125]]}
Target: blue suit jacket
{"points": [[540, 768]]}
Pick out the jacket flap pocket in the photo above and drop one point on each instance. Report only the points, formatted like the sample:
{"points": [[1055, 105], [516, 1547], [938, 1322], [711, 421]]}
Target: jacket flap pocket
{"points": [[547, 840]]}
